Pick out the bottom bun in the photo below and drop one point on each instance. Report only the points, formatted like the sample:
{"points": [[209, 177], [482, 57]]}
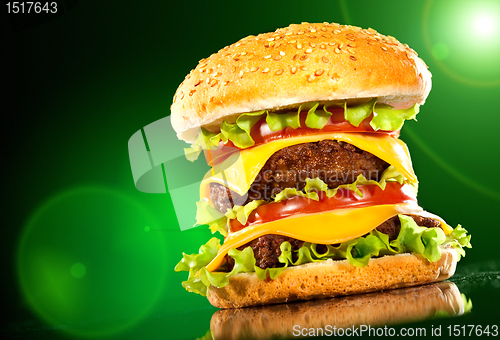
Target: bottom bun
{"points": [[333, 278]]}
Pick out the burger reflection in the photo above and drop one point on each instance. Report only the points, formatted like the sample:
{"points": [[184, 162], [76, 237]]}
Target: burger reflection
{"points": [[355, 314]]}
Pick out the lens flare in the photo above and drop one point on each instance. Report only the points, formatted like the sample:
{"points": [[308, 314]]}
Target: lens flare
{"points": [[87, 267], [485, 24], [463, 37]]}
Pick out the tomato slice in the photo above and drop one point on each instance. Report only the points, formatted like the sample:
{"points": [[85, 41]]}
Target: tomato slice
{"points": [[261, 133], [394, 193]]}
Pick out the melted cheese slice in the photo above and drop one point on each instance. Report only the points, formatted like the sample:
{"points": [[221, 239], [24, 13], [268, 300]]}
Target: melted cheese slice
{"points": [[330, 227], [240, 170]]}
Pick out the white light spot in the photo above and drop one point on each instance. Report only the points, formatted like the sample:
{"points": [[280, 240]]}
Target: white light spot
{"points": [[484, 24]]}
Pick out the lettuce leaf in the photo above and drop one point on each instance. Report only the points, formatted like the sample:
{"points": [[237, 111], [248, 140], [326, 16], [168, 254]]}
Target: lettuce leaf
{"points": [[387, 119], [206, 214], [356, 114], [419, 240], [279, 121], [315, 185], [217, 221], [459, 239], [358, 252], [384, 118], [241, 213], [195, 262], [317, 119], [239, 132]]}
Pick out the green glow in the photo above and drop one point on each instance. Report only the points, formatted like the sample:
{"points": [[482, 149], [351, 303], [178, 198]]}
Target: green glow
{"points": [[78, 270], [440, 51], [84, 255], [451, 170], [466, 35]]}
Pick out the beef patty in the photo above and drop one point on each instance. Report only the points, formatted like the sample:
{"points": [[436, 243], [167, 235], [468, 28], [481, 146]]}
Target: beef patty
{"points": [[266, 249], [335, 163]]}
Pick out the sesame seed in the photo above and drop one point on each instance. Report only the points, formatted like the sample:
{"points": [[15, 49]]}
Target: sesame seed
{"points": [[271, 44], [304, 57], [335, 77], [310, 78], [182, 96], [303, 68], [322, 46], [353, 58], [208, 80], [192, 92], [313, 30], [278, 57], [265, 70], [341, 45], [212, 99], [267, 56], [350, 50], [383, 48], [337, 31], [226, 82], [295, 57], [279, 72], [337, 50], [198, 82], [325, 59], [253, 69], [293, 70], [331, 43], [300, 32], [282, 53], [241, 74], [309, 50], [323, 29], [243, 53], [319, 72], [299, 46], [236, 59], [351, 39], [351, 45], [270, 39], [214, 82], [312, 44], [218, 74]]}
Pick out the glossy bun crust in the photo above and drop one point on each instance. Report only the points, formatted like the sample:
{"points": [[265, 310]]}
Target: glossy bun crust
{"points": [[333, 278], [297, 64]]}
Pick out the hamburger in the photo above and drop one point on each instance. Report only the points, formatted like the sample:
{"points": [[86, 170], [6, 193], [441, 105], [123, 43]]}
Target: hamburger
{"points": [[310, 186]]}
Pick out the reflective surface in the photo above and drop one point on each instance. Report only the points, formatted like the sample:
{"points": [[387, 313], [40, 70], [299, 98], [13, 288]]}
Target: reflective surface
{"points": [[471, 298]]}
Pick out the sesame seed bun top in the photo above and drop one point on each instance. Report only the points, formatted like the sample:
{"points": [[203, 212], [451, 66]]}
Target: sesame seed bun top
{"points": [[298, 64]]}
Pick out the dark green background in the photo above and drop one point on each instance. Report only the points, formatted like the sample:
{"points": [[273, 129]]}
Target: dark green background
{"points": [[77, 86]]}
